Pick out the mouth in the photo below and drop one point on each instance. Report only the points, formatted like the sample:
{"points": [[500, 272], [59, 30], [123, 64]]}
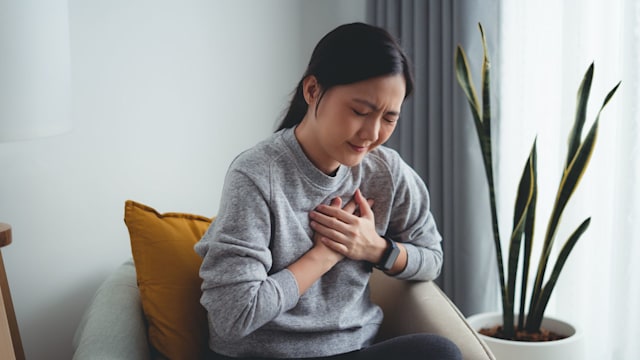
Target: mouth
{"points": [[359, 148]]}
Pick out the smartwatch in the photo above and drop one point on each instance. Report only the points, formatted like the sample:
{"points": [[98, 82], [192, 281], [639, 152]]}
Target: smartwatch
{"points": [[389, 257]]}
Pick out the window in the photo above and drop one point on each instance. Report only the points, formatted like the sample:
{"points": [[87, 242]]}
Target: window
{"points": [[546, 47]]}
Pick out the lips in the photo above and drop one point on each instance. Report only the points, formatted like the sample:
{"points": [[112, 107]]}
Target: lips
{"points": [[358, 148]]}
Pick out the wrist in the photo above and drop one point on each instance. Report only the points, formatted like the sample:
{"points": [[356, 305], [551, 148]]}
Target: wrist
{"points": [[323, 257], [388, 258], [311, 267], [379, 250]]}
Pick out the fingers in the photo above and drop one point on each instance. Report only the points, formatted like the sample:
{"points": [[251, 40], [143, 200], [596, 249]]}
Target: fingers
{"points": [[333, 245], [363, 204], [334, 221], [352, 206], [355, 206], [327, 225], [347, 229]]}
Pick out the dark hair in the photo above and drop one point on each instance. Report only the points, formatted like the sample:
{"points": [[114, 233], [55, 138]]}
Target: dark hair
{"points": [[348, 54]]}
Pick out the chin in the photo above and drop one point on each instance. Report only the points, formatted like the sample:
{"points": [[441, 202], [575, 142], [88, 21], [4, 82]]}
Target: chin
{"points": [[352, 162]]}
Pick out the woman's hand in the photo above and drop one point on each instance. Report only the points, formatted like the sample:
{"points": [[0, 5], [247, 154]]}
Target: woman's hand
{"points": [[320, 247], [322, 257], [349, 234]]}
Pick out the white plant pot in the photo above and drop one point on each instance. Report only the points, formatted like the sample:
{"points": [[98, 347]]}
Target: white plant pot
{"points": [[570, 348]]}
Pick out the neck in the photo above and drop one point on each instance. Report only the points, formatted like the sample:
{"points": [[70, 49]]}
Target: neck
{"points": [[308, 142]]}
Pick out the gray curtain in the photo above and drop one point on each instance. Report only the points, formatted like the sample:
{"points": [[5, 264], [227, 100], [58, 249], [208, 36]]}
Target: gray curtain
{"points": [[436, 135]]}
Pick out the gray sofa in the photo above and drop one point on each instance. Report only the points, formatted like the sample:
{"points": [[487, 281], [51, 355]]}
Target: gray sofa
{"points": [[113, 326]]}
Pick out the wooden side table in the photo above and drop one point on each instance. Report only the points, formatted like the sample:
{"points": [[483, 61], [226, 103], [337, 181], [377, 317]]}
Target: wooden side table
{"points": [[10, 342]]}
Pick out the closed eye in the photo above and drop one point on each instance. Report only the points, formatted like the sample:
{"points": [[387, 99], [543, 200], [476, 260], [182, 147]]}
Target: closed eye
{"points": [[359, 113]]}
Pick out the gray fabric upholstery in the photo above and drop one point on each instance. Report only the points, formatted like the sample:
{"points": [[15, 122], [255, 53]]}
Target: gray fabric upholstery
{"points": [[113, 327], [413, 307]]}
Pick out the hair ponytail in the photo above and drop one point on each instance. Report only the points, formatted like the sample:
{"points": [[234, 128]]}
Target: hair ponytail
{"points": [[297, 109]]}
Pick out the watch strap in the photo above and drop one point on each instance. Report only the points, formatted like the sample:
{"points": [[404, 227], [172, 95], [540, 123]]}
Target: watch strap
{"points": [[389, 257]]}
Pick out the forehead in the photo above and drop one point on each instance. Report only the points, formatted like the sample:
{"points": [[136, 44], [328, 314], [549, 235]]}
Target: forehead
{"points": [[383, 91]]}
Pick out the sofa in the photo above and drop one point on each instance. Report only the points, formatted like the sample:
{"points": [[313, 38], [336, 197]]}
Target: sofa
{"points": [[114, 327], [148, 307]]}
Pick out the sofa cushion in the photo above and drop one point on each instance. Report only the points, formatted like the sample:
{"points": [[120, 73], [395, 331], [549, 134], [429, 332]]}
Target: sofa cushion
{"points": [[113, 326], [167, 273]]}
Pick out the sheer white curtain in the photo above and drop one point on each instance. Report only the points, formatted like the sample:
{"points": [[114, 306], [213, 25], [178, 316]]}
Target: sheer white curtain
{"points": [[546, 48]]}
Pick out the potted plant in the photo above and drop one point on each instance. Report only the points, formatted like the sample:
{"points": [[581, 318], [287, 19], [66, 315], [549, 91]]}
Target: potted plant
{"points": [[531, 326]]}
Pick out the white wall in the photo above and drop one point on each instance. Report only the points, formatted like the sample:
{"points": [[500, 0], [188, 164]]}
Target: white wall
{"points": [[319, 17], [166, 93]]}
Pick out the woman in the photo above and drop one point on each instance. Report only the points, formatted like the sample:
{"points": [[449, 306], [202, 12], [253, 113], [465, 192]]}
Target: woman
{"points": [[308, 212]]}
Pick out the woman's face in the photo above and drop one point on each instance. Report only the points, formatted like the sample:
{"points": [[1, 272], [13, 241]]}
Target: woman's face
{"points": [[350, 121]]}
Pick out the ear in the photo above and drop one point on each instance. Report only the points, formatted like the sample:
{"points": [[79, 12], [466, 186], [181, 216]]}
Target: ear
{"points": [[310, 89]]}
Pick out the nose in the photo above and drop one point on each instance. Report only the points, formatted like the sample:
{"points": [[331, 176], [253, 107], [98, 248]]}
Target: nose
{"points": [[370, 129]]}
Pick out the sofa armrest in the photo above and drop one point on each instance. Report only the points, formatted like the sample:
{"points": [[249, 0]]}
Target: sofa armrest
{"points": [[113, 326], [421, 307]]}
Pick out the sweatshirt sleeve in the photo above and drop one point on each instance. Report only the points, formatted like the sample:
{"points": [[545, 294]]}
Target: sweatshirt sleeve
{"points": [[413, 224], [238, 291]]}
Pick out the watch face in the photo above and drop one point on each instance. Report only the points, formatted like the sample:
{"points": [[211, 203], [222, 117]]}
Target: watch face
{"points": [[390, 256], [393, 256]]}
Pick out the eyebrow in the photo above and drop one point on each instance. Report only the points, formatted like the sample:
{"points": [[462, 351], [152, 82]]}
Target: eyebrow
{"points": [[374, 107]]}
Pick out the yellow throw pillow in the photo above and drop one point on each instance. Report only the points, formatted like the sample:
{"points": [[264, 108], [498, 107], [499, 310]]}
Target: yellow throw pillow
{"points": [[167, 273]]}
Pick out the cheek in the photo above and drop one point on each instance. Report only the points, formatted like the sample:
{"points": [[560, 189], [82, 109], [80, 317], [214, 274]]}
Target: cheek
{"points": [[386, 130], [333, 118], [344, 123]]}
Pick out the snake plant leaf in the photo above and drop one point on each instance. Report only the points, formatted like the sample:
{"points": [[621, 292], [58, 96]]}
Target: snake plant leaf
{"points": [[525, 191], [463, 75], [568, 184], [578, 156], [581, 114], [578, 165], [609, 96], [528, 234], [534, 319], [570, 180], [484, 135], [486, 88], [521, 208], [485, 138], [574, 173]]}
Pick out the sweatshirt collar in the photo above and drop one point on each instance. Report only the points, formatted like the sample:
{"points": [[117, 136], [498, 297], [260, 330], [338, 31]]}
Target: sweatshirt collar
{"points": [[314, 174]]}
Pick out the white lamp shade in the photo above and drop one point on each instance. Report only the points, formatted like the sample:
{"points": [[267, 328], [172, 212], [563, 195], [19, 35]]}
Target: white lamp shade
{"points": [[35, 70]]}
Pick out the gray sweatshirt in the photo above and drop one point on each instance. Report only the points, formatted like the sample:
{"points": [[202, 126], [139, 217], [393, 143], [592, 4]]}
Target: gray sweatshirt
{"points": [[263, 226]]}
